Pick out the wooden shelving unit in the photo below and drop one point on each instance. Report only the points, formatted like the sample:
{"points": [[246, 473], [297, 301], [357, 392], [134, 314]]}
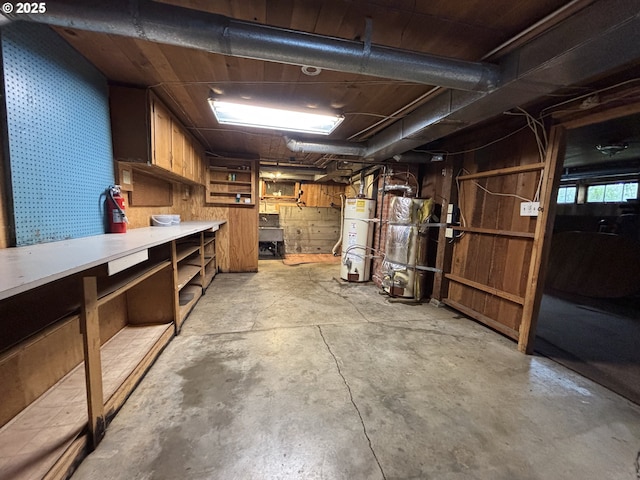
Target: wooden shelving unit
{"points": [[78, 359], [209, 258], [231, 182], [194, 260]]}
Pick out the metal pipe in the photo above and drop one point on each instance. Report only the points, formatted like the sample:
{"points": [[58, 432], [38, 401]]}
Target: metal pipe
{"points": [[168, 24], [326, 147]]}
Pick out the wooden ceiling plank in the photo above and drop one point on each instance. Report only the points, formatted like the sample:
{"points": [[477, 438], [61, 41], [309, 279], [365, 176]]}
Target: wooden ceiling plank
{"points": [[106, 54]]}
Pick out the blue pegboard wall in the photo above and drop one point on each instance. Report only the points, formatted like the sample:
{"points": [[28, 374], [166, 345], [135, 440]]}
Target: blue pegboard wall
{"points": [[60, 152]]}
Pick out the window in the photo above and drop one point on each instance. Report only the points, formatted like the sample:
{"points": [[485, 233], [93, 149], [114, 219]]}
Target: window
{"points": [[612, 192], [279, 189], [567, 194]]}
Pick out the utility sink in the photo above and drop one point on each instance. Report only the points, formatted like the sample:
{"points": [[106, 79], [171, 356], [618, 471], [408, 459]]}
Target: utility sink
{"points": [[270, 234], [269, 228]]}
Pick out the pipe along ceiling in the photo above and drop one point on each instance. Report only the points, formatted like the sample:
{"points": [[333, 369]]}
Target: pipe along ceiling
{"points": [[574, 51]]}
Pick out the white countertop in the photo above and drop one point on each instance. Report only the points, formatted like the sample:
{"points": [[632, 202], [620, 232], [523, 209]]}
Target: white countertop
{"points": [[24, 268]]}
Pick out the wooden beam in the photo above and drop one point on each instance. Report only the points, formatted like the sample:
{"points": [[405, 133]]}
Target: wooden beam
{"points": [[485, 288], [90, 327], [509, 332], [491, 231], [445, 249], [542, 240], [611, 114], [532, 167]]}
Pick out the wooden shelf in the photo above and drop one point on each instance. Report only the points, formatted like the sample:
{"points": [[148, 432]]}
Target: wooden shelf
{"points": [[189, 296], [65, 404], [209, 274], [183, 250], [222, 189], [185, 273], [229, 182], [120, 283], [230, 191]]}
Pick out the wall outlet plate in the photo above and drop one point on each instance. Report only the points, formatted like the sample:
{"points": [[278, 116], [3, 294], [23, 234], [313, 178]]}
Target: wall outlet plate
{"points": [[529, 209], [448, 233]]}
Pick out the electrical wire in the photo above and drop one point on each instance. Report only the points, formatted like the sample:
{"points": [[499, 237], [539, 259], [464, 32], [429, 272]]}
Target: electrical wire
{"points": [[543, 114], [481, 187], [586, 95], [542, 142], [475, 149]]}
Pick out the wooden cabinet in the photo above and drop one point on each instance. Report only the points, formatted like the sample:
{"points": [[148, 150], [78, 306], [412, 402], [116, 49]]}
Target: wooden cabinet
{"points": [[161, 136], [231, 182], [82, 328], [147, 136]]}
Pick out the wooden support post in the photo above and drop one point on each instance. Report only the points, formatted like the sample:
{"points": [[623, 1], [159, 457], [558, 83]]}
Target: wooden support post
{"points": [[176, 291], [202, 261], [90, 327], [445, 250], [542, 240]]}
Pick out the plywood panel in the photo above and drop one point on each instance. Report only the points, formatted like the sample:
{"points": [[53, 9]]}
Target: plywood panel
{"points": [[243, 239], [150, 191], [321, 194], [113, 317], [151, 301], [24, 314], [58, 348]]}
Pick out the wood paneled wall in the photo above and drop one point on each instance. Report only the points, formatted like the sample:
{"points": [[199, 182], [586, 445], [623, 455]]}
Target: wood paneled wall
{"points": [[314, 195], [486, 268], [237, 240]]}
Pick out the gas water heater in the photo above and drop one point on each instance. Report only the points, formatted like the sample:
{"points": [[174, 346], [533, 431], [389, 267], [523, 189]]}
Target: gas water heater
{"points": [[357, 239]]}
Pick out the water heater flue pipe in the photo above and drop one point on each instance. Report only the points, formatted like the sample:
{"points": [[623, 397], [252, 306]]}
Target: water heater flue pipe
{"points": [[338, 244]]}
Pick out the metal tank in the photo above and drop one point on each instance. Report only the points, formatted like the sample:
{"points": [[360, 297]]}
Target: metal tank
{"points": [[357, 239]]}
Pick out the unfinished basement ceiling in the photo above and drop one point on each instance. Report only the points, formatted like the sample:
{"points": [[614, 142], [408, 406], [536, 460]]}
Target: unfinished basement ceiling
{"points": [[619, 142], [183, 77]]}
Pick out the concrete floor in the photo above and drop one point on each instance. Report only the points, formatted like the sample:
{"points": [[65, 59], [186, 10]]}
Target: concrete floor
{"points": [[291, 374]]}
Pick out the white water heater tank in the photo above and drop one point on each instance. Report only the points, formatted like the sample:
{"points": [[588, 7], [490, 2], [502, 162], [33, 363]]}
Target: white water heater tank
{"points": [[357, 239]]}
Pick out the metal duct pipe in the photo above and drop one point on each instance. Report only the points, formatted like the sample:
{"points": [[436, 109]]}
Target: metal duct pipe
{"points": [[168, 24], [330, 147], [573, 52]]}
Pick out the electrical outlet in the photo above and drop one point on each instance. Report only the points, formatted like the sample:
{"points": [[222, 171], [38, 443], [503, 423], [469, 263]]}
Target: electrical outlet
{"points": [[448, 233], [529, 209]]}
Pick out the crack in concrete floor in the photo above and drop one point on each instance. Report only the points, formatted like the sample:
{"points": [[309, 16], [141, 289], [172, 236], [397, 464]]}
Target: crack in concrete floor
{"points": [[353, 402]]}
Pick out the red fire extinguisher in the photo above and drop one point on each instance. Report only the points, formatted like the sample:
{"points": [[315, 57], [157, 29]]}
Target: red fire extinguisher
{"points": [[116, 217]]}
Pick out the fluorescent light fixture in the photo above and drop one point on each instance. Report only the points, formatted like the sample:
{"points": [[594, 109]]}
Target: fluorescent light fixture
{"points": [[245, 115]]}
